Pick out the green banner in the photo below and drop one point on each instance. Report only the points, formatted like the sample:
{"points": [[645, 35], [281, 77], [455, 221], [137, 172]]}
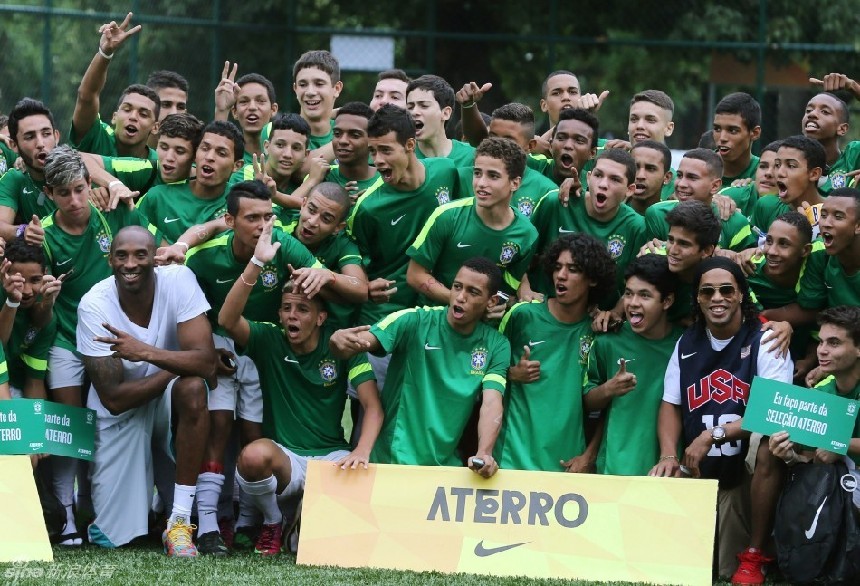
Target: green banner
{"points": [[811, 418], [35, 426]]}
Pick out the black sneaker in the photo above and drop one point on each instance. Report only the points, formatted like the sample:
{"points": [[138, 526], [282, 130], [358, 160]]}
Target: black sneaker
{"points": [[211, 544]]}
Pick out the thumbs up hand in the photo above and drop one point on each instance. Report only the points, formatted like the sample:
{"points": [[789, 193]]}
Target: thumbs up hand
{"points": [[526, 370], [623, 382], [34, 233]]}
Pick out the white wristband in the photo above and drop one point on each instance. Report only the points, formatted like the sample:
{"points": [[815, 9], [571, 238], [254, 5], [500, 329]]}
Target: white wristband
{"points": [[181, 243], [105, 55], [13, 304], [257, 261], [114, 182]]}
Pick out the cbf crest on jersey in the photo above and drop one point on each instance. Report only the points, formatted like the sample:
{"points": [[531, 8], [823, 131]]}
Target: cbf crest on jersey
{"points": [[29, 336], [328, 371], [269, 277], [443, 195], [585, 343], [526, 207], [478, 364], [104, 241], [837, 180], [509, 252], [615, 245]]}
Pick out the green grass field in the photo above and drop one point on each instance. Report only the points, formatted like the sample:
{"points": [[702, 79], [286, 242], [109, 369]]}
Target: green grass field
{"points": [[146, 564]]}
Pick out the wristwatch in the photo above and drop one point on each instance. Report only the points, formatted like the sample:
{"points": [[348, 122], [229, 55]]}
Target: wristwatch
{"points": [[718, 434]]}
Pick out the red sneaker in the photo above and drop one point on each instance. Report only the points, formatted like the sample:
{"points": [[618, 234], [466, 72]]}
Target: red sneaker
{"points": [[751, 568], [270, 540]]}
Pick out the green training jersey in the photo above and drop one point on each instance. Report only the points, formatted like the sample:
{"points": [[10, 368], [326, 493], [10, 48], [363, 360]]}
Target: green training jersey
{"points": [[136, 174], [623, 235], [746, 197], [630, 446], [546, 167], [173, 209], [454, 233], [384, 222], [7, 158], [849, 160], [334, 174], [303, 394], [4, 367], [533, 187], [748, 173], [825, 283], [736, 233], [101, 140], [335, 253], [83, 258], [315, 141], [217, 268], [461, 153], [284, 215], [768, 209], [434, 379], [544, 421], [828, 385], [25, 196], [28, 348]]}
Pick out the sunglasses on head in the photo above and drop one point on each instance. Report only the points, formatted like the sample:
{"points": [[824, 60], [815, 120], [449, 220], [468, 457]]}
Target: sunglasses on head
{"points": [[725, 290]]}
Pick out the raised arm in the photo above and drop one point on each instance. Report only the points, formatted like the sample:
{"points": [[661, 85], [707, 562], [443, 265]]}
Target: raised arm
{"points": [[474, 129], [86, 112]]}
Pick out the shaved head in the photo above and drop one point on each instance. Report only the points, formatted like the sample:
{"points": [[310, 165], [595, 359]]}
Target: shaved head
{"points": [[133, 234]]}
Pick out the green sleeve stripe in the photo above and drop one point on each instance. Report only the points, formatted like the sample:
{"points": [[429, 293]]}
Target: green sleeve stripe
{"points": [[512, 281], [388, 320], [33, 363], [742, 234], [131, 165], [317, 264], [346, 257], [248, 172], [4, 368], [219, 241], [422, 235], [495, 378], [152, 230], [817, 245], [360, 201], [825, 382], [360, 369], [540, 201]]}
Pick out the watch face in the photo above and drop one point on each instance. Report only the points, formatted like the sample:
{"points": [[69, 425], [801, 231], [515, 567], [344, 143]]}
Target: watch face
{"points": [[718, 433]]}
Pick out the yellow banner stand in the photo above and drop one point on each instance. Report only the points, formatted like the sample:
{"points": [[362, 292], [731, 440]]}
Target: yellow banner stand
{"points": [[23, 536], [537, 524]]}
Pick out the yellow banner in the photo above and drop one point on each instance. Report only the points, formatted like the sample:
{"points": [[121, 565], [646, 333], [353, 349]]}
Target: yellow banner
{"points": [[537, 524], [23, 536]]}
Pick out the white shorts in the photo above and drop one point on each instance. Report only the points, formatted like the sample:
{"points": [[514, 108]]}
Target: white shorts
{"points": [[299, 468], [65, 369], [239, 393], [122, 472], [16, 392]]}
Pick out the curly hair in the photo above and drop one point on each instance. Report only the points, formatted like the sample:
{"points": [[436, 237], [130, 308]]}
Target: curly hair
{"points": [[591, 257]]}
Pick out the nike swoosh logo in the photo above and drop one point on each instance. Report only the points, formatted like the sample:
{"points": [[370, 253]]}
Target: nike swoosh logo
{"points": [[685, 356], [290, 360], [563, 231], [27, 191], [394, 222], [170, 221], [222, 281], [68, 260], [461, 245], [483, 552], [811, 531], [429, 347], [533, 344]]}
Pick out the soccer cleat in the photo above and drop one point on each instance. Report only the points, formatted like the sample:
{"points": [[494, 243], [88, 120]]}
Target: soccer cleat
{"points": [[245, 537], [225, 528], [211, 544], [751, 567], [177, 539], [270, 540]]}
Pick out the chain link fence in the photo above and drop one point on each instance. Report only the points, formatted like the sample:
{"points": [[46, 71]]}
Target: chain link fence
{"points": [[694, 50]]}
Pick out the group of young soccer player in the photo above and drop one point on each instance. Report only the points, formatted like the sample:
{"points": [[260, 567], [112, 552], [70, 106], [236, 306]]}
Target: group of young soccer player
{"points": [[219, 292]]}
